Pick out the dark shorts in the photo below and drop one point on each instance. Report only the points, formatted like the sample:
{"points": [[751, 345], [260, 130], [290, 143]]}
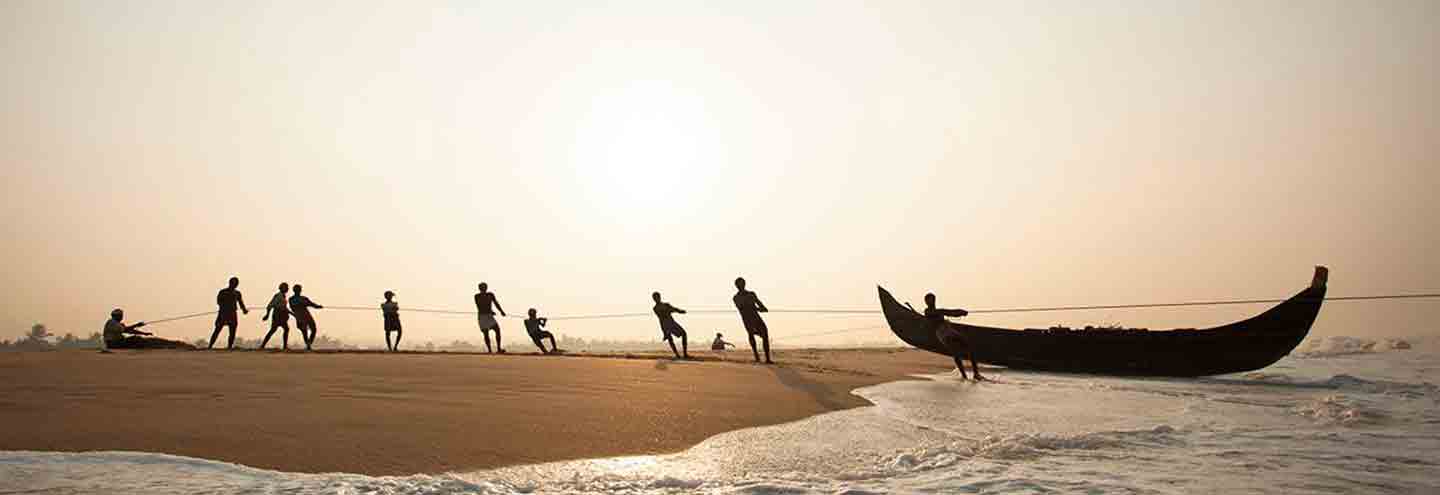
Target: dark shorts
{"points": [[392, 323], [278, 319], [541, 335], [754, 324], [227, 318], [304, 322], [673, 331], [951, 339]]}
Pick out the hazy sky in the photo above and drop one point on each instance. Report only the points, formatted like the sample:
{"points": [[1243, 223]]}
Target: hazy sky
{"points": [[579, 156]]}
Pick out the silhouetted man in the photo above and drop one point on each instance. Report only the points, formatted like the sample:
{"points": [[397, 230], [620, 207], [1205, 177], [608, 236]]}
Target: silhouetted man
{"points": [[280, 308], [669, 328], [719, 343], [950, 337], [536, 327], [750, 308], [300, 306], [391, 311], [115, 331], [118, 335], [485, 316], [227, 299]]}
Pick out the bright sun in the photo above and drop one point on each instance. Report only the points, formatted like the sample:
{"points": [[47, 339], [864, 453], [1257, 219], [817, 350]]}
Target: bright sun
{"points": [[647, 152]]}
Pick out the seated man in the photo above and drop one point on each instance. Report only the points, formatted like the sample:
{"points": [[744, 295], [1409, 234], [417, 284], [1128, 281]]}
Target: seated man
{"points": [[536, 327], [719, 343], [115, 336]]}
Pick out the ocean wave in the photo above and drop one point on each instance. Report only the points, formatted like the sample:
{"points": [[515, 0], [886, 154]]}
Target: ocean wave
{"points": [[1339, 409], [1350, 383], [1028, 446], [1344, 346], [144, 472]]}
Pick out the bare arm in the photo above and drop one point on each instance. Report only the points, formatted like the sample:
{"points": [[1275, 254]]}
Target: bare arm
{"points": [[496, 300], [761, 305], [953, 312], [678, 310], [241, 299], [131, 329]]}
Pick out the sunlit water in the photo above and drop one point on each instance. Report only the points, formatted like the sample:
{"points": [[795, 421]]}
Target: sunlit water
{"points": [[1348, 417]]}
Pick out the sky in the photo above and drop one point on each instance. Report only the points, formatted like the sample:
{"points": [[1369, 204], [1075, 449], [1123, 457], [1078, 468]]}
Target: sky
{"points": [[578, 156]]}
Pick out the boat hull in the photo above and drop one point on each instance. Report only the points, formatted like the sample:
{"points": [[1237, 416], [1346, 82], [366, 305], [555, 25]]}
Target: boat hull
{"points": [[1241, 346]]}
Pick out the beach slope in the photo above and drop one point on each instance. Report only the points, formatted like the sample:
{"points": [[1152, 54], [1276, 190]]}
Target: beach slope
{"points": [[385, 414]]}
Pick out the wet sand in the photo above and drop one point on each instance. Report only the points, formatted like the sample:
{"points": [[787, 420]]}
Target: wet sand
{"points": [[383, 414]]}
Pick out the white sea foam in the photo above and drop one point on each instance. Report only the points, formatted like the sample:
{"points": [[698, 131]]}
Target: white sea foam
{"points": [[1364, 424], [1335, 346]]}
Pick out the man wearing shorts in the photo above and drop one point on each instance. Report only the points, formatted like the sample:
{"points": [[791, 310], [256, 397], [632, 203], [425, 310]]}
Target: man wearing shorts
{"points": [[279, 307], [750, 308], [536, 327], [228, 299], [669, 328], [390, 311], [485, 316], [304, 321], [951, 338]]}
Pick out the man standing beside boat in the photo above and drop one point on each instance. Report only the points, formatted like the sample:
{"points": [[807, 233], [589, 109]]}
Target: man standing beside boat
{"points": [[951, 338]]}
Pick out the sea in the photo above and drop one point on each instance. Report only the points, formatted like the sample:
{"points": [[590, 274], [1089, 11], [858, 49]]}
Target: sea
{"points": [[1340, 415]]}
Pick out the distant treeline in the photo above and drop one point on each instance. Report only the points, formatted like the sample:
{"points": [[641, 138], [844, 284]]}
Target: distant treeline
{"points": [[39, 338]]}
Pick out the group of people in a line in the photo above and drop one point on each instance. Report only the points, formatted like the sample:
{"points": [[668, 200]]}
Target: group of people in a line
{"points": [[283, 305], [231, 303]]}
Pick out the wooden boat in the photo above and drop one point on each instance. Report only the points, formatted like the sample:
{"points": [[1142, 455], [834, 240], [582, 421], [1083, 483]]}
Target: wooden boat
{"points": [[1241, 346]]}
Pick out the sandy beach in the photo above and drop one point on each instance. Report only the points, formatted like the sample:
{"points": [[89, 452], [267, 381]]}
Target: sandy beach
{"points": [[383, 414]]}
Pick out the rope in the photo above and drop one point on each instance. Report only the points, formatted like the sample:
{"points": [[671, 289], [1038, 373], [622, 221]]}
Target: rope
{"points": [[176, 318], [832, 332], [602, 316]]}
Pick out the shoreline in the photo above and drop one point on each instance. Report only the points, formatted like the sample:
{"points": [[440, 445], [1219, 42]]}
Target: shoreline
{"points": [[378, 413]]}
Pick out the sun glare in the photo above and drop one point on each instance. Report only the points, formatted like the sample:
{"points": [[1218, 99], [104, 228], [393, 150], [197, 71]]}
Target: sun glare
{"points": [[647, 152]]}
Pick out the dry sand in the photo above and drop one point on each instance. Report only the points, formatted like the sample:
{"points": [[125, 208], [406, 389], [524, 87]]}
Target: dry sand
{"points": [[380, 414]]}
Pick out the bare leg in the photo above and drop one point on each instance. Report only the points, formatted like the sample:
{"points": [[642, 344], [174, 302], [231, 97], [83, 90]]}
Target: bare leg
{"points": [[231, 344], [553, 346], [398, 333], [487, 342], [685, 345], [498, 347], [388, 345], [310, 338], [671, 340], [767, 349], [266, 340], [214, 336], [285, 338], [975, 367], [752, 347], [960, 364]]}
